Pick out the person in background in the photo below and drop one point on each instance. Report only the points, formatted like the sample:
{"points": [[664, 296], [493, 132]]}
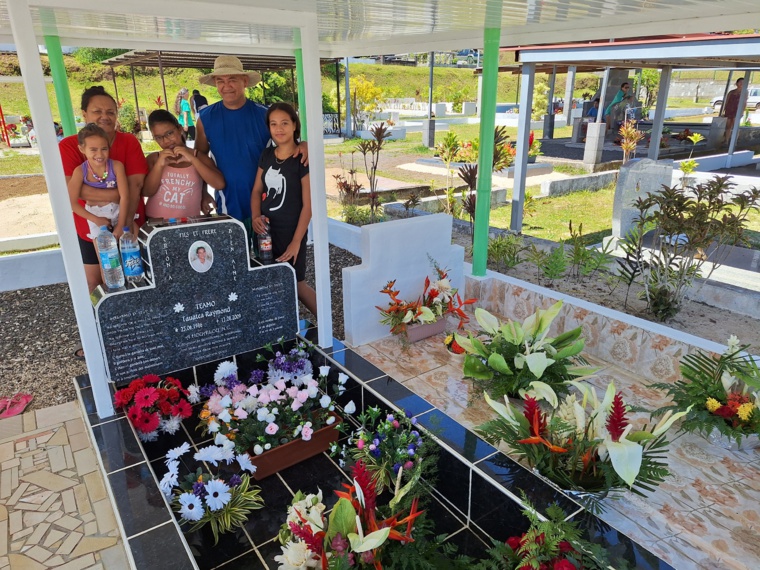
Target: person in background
{"points": [[176, 184], [281, 198], [185, 113], [100, 108], [731, 107], [625, 87], [593, 112], [235, 130], [198, 102]]}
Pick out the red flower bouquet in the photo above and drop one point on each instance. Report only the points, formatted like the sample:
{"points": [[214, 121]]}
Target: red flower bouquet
{"points": [[154, 405]]}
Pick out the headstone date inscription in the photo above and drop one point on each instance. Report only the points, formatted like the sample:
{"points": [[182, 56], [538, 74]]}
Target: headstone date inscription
{"points": [[202, 302]]}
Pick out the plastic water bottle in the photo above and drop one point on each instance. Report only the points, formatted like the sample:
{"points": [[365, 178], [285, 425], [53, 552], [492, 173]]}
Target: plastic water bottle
{"points": [[109, 259], [265, 247], [131, 260]]}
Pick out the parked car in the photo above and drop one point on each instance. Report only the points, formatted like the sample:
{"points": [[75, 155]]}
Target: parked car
{"points": [[468, 56], [753, 100]]}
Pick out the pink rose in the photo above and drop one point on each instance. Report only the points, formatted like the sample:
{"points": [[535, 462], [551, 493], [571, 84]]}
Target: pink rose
{"points": [[253, 390], [306, 433], [360, 444], [408, 465], [395, 424], [302, 396], [264, 398], [296, 405], [240, 413], [214, 405], [271, 429], [292, 392], [280, 385]]}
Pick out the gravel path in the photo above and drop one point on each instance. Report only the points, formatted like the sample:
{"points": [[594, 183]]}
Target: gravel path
{"points": [[38, 335]]}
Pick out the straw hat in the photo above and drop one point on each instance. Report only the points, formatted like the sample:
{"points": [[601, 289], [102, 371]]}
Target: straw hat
{"points": [[229, 65]]}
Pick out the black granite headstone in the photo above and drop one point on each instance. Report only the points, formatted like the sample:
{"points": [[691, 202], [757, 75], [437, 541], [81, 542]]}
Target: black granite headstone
{"points": [[202, 301]]}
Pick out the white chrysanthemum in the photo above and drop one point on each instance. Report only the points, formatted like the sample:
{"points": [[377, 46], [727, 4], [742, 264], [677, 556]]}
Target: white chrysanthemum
{"points": [[444, 288], [171, 425], [173, 466], [210, 454], [192, 507], [194, 394], [177, 452], [148, 437], [296, 556], [218, 494], [226, 369], [168, 483], [244, 460], [213, 426]]}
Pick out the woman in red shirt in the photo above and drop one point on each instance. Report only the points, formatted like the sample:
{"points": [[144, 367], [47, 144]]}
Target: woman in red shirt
{"points": [[100, 108]]}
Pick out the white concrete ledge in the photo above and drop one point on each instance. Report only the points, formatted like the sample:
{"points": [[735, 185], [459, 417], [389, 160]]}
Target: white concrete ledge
{"points": [[35, 269], [27, 243]]}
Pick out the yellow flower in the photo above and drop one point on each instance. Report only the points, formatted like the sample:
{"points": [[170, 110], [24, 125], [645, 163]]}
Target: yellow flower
{"points": [[745, 411], [712, 404], [205, 414]]}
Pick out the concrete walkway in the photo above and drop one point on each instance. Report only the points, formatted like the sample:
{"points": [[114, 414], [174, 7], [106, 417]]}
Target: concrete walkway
{"points": [[54, 509]]}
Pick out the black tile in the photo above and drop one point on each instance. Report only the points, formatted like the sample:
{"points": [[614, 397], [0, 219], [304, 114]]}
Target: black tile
{"points": [[453, 480], [249, 561], [494, 512], [357, 365], [264, 524], [209, 555], [462, 440], [162, 547], [400, 396], [446, 521], [304, 325], [186, 376], [88, 399], [310, 334], [468, 543], [138, 499], [517, 479], [249, 361], [83, 381], [268, 551], [117, 445], [166, 441], [316, 473]]}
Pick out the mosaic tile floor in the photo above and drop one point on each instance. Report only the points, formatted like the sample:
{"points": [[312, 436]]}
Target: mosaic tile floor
{"points": [[54, 509], [705, 516]]}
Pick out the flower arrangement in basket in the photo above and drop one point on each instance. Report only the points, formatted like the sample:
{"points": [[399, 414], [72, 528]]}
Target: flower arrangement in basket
{"points": [[438, 299], [353, 536], [389, 445], [154, 405], [203, 497], [283, 404], [517, 359], [452, 346], [718, 394], [587, 445], [551, 544]]}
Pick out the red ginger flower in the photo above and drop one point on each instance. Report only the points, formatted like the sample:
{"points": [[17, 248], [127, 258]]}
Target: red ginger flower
{"points": [[564, 565], [364, 480], [725, 412], [531, 139], [534, 416], [616, 421], [313, 541]]}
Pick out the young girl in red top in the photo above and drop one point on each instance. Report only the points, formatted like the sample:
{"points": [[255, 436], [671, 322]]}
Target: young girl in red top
{"points": [[286, 208]]}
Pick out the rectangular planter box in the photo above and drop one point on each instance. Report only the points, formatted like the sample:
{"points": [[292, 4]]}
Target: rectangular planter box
{"points": [[418, 332], [293, 452]]}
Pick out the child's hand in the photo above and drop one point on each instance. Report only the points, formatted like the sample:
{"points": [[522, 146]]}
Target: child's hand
{"points": [[165, 155], [291, 252], [260, 224], [118, 232], [101, 221], [184, 152], [207, 203]]}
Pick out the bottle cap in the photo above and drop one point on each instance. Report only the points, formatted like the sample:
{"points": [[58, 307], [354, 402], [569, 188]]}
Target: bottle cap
{"points": [[103, 228], [126, 229]]}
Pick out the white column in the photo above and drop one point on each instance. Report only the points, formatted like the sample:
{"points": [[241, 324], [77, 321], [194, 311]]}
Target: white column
{"points": [[36, 93], [523, 136], [569, 88], [659, 113], [602, 93], [738, 118], [349, 126], [313, 87]]}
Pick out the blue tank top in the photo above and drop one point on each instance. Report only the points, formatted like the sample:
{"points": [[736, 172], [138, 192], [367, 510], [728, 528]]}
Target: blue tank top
{"points": [[237, 138]]}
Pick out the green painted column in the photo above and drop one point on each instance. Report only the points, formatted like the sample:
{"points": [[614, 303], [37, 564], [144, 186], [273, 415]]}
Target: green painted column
{"points": [[492, 39], [61, 84], [301, 93]]}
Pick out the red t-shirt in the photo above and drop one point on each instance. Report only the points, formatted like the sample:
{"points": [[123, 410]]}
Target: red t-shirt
{"points": [[125, 148]]}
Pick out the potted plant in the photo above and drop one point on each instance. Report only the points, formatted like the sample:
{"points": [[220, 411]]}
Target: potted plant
{"points": [[154, 405], [515, 359], [280, 417], [720, 395], [453, 348], [203, 497], [585, 447], [425, 317], [534, 148], [354, 535]]}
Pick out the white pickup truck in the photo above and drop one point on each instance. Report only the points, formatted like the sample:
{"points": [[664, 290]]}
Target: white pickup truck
{"points": [[753, 100]]}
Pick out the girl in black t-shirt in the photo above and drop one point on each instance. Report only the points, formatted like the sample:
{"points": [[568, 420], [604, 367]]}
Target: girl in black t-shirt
{"points": [[281, 197]]}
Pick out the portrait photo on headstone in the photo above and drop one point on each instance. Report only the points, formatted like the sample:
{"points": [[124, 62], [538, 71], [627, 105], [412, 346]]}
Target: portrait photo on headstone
{"points": [[201, 256]]}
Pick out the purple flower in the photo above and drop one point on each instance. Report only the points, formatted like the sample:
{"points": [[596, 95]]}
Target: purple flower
{"points": [[231, 381], [390, 417], [414, 421], [208, 390], [368, 557], [396, 467], [415, 433], [199, 490], [339, 544], [257, 376], [411, 452], [235, 480], [408, 413], [376, 452]]}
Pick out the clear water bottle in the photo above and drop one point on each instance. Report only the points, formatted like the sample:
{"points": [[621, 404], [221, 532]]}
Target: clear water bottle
{"points": [[109, 259], [131, 260], [265, 246]]}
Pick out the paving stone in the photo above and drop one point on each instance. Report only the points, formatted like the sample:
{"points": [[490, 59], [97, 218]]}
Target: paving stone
{"points": [[91, 528], [17, 545], [69, 472], [60, 437], [37, 498], [54, 516], [86, 461], [92, 544], [69, 544], [14, 462], [49, 481], [38, 553], [79, 441], [67, 522], [27, 462], [27, 506], [32, 443], [16, 522], [23, 533], [96, 567], [114, 557], [44, 438], [83, 500], [79, 563], [53, 536], [5, 484], [74, 426], [17, 494], [22, 562], [21, 445], [7, 450], [38, 534], [88, 517], [4, 562], [95, 487], [69, 457], [49, 503], [69, 502], [34, 518], [104, 515], [58, 414], [56, 506], [14, 478], [29, 421], [11, 427], [57, 458], [4, 534], [55, 561]]}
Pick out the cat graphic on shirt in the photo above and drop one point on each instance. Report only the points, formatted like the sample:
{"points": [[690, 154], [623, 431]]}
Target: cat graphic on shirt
{"points": [[276, 187]]}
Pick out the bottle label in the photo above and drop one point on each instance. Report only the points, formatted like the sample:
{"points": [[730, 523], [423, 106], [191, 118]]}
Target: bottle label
{"points": [[265, 243], [109, 259], [132, 263]]}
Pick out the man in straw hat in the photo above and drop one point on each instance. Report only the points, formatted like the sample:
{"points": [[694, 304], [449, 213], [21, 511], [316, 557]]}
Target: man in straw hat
{"points": [[235, 131]]}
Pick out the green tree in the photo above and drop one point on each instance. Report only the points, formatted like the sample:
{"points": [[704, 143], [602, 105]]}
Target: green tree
{"points": [[366, 98], [87, 55], [540, 101], [650, 82], [274, 87]]}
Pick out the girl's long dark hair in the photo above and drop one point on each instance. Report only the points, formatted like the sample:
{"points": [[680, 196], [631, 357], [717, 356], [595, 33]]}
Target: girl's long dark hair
{"points": [[288, 108]]}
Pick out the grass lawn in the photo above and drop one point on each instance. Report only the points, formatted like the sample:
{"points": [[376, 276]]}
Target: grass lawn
{"points": [[13, 162]]}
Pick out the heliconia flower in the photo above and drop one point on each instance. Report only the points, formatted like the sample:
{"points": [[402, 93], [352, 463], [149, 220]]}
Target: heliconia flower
{"points": [[192, 507], [272, 428], [616, 420]]}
